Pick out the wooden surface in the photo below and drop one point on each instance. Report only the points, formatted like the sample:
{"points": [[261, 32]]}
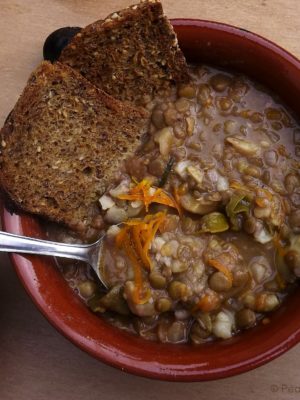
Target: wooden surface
{"points": [[36, 362]]}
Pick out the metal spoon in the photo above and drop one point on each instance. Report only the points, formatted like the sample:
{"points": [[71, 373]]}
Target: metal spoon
{"points": [[89, 253]]}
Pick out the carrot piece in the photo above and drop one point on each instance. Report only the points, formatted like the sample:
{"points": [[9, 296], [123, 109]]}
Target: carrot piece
{"points": [[222, 268]]}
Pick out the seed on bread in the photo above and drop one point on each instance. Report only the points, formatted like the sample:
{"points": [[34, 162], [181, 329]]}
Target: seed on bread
{"points": [[57, 159]]}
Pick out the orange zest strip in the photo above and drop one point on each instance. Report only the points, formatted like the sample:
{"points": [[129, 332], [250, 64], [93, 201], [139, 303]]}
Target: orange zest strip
{"points": [[136, 231], [123, 240], [281, 251], [142, 192], [151, 232], [177, 199], [138, 279], [222, 268], [278, 245], [135, 239], [280, 281]]}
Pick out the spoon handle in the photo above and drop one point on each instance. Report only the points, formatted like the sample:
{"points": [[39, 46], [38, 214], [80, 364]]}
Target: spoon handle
{"points": [[21, 244]]}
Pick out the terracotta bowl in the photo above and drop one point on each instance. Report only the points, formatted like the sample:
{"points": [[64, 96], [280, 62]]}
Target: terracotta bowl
{"points": [[224, 46]]}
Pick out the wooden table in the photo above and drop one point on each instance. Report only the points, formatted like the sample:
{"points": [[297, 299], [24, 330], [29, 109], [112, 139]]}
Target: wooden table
{"points": [[36, 362]]}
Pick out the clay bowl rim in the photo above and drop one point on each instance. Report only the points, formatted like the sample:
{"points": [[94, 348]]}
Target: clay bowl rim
{"points": [[115, 347]]}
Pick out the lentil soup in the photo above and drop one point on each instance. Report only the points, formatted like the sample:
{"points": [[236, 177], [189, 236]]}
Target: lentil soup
{"points": [[209, 243]]}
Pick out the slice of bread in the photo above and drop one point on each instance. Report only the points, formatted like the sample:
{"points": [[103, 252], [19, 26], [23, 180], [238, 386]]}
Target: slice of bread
{"points": [[63, 142], [131, 55]]}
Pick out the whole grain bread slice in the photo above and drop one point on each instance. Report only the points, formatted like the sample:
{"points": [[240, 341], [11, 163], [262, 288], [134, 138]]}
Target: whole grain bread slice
{"points": [[132, 54], [63, 142]]}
